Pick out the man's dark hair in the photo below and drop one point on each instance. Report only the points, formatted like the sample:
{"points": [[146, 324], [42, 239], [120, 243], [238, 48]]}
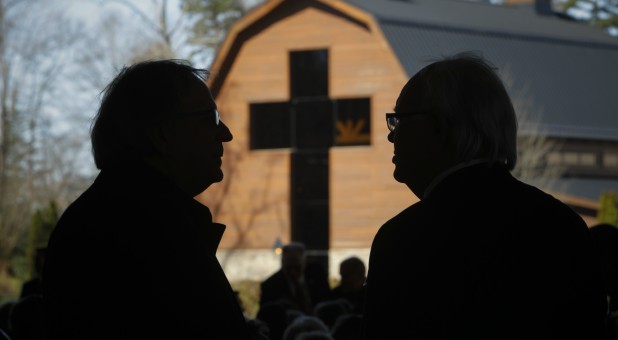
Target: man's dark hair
{"points": [[466, 93], [140, 96]]}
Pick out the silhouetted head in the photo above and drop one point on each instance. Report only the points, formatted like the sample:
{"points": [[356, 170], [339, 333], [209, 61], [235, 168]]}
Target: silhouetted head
{"points": [[452, 111], [328, 311], [304, 324], [293, 260], [162, 112], [353, 274]]}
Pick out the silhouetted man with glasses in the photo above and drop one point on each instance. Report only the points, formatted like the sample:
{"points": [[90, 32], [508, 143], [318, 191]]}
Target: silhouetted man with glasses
{"points": [[482, 255], [134, 256]]}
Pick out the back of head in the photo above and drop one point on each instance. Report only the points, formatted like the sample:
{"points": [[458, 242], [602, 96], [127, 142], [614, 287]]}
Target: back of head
{"points": [[328, 311], [294, 249], [140, 96], [468, 97], [352, 266], [304, 324], [353, 274]]}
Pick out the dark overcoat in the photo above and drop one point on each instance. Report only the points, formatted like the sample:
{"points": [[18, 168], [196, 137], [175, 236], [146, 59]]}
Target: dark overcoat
{"points": [[484, 256], [134, 258]]}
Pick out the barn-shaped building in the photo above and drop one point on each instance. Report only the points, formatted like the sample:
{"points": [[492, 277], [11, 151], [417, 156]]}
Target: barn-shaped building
{"points": [[304, 85]]}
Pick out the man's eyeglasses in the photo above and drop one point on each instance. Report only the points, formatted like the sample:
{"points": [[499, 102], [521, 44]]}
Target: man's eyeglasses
{"points": [[213, 112], [392, 119]]}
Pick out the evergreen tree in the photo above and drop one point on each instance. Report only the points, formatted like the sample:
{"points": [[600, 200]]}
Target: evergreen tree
{"points": [[43, 223]]}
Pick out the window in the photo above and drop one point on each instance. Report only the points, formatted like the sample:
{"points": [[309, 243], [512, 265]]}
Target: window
{"points": [[310, 120], [269, 125], [353, 121], [308, 73], [610, 160]]}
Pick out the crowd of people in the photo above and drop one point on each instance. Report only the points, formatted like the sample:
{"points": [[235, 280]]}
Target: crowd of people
{"points": [[300, 290], [480, 256], [283, 314]]}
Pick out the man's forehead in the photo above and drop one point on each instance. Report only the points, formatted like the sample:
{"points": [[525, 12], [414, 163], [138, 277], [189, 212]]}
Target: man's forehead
{"points": [[195, 96], [407, 97]]}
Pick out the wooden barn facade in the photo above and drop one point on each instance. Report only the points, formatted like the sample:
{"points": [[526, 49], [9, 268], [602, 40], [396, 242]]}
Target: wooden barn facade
{"points": [[304, 84]]}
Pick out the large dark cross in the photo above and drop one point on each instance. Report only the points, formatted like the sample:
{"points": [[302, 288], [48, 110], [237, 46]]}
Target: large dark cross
{"points": [[310, 123]]}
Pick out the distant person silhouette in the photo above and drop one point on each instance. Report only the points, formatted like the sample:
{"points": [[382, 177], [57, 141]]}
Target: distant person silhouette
{"points": [[482, 255], [304, 284], [353, 274], [134, 256]]}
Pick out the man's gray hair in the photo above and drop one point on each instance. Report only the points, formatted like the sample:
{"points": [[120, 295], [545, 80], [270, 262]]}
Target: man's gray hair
{"points": [[467, 95]]}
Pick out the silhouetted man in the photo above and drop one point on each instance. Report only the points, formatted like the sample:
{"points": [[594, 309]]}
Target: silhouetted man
{"points": [[352, 285], [482, 255], [297, 282], [134, 256]]}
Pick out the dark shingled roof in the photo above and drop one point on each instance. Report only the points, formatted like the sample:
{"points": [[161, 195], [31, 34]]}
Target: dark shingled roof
{"points": [[565, 72]]}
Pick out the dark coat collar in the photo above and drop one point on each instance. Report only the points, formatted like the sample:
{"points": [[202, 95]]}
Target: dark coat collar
{"points": [[146, 184]]}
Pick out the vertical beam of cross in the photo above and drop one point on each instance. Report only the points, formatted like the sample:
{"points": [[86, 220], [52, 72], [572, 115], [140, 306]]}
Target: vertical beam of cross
{"points": [[310, 123]]}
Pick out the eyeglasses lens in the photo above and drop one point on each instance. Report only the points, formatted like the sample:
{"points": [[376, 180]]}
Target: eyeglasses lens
{"points": [[217, 117], [392, 123]]}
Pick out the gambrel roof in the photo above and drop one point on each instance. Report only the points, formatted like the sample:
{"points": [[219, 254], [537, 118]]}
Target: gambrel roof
{"points": [[566, 70]]}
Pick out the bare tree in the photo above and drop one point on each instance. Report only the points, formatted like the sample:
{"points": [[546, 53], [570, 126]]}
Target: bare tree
{"points": [[533, 144], [33, 57], [52, 70], [192, 36], [209, 22], [151, 31], [262, 199]]}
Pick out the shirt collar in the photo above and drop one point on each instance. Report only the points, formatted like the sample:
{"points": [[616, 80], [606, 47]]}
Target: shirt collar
{"points": [[449, 171]]}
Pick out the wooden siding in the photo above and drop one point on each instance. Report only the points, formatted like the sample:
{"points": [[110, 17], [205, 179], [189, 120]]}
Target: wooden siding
{"points": [[252, 67], [253, 199]]}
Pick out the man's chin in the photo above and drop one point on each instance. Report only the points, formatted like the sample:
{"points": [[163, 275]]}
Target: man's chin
{"points": [[213, 178], [398, 176], [218, 176]]}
